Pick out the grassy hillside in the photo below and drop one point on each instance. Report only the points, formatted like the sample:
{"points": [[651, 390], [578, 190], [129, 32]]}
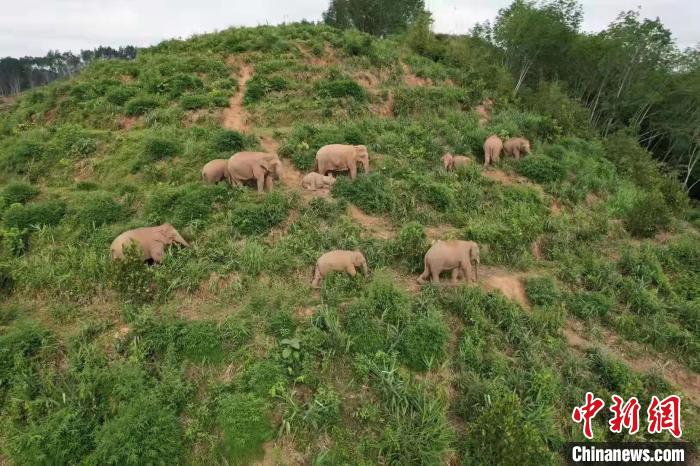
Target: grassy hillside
{"points": [[224, 354]]}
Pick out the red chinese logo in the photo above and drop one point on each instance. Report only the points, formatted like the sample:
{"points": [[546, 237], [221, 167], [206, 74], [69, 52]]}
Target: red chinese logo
{"points": [[624, 415], [665, 415], [587, 412]]}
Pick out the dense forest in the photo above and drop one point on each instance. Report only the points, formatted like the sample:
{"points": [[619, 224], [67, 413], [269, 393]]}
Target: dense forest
{"points": [[19, 74], [222, 352]]}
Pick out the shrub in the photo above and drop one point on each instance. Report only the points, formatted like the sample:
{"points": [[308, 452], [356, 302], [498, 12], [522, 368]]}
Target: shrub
{"points": [[143, 432], [158, 148], [541, 169], [259, 86], [542, 291], [14, 241], [131, 277], [201, 341], [371, 193], [17, 345], [120, 95], [264, 378], [185, 204], [194, 101], [259, 215], [410, 246], [424, 342], [647, 215], [22, 217], [141, 104], [367, 334], [502, 434], [7, 281], [388, 301], [228, 141], [17, 192], [339, 88], [244, 426], [587, 304], [324, 410], [98, 209]]}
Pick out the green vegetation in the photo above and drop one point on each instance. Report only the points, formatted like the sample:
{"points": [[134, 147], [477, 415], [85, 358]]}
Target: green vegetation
{"points": [[223, 353]]}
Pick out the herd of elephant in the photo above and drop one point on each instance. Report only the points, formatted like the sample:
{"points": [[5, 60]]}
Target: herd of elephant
{"points": [[455, 256]]}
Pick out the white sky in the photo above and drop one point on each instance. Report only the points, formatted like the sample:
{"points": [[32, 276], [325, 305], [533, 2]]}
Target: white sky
{"points": [[33, 27]]}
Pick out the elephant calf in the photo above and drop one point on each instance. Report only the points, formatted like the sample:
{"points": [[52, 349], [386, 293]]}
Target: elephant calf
{"points": [[517, 146], [452, 162], [151, 240], [455, 255], [215, 171], [314, 181], [342, 157], [338, 261], [492, 149]]}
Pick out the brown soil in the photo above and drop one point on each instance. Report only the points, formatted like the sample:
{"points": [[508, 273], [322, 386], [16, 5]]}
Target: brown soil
{"points": [[375, 226], [411, 80], [326, 59], [234, 117], [84, 170], [502, 177], [642, 362], [536, 249], [368, 80], [280, 452], [508, 283], [386, 109], [441, 232], [555, 208], [126, 123], [592, 199]]}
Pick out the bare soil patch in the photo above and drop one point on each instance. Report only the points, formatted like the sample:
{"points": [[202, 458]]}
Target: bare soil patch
{"points": [[375, 226], [506, 282], [411, 80], [641, 361], [126, 122], [234, 117]]}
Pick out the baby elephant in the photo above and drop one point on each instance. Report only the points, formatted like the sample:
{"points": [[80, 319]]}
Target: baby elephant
{"points": [[215, 171], [457, 256], [314, 181], [151, 240], [338, 261], [517, 146], [452, 162]]}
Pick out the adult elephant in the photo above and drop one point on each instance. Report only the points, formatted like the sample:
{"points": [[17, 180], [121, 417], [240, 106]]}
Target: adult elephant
{"points": [[492, 149], [150, 240], [342, 157], [258, 166], [454, 255]]}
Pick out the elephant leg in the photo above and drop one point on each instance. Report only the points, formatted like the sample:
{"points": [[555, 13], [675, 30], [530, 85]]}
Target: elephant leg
{"points": [[426, 273], [516, 154], [268, 183], [350, 269], [157, 253], [454, 276], [353, 171], [260, 174], [487, 158], [435, 274], [467, 270], [315, 283]]}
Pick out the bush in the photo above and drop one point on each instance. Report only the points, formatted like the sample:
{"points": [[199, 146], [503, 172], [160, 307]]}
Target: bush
{"points": [[541, 169], [185, 204], [228, 141], [542, 291], [367, 334], [158, 148], [647, 216], [202, 341], [22, 217], [587, 304], [371, 193], [409, 247], [194, 101], [424, 342], [502, 434], [259, 215], [143, 432], [324, 410], [244, 426], [120, 95], [339, 88], [131, 277], [17, 192], [99, 209], [259, 86], [7, 281], [141, 104]]}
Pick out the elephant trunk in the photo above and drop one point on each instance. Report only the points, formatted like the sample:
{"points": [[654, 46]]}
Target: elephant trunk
{"points": [[365, 165], [180, 240]]}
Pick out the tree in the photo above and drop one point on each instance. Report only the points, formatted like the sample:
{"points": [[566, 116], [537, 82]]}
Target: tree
{"points": [[377, 17]]}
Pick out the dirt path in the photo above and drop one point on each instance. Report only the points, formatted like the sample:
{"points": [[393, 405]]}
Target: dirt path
{"points": [[509, 283], [376, 226], [234, 117], [678, 375], [411, 80]]}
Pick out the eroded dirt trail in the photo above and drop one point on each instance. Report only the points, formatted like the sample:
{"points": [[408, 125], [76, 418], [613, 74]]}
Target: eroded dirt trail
{"points": [[509, 283], [234, 117], [376, 226], [678, 375]]}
